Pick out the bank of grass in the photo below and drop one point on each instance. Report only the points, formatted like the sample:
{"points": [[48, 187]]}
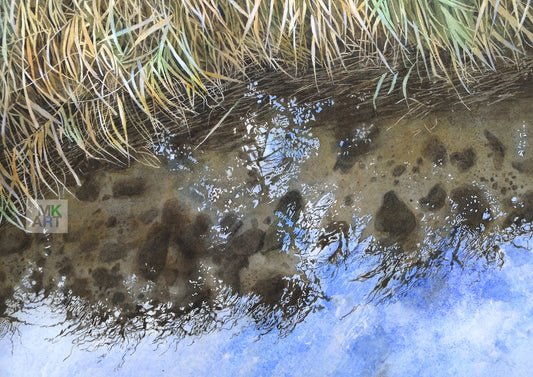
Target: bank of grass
{"points": [[86, 78]]}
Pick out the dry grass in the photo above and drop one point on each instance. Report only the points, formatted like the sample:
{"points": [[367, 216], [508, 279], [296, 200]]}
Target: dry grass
{"points": [[84, 76]]}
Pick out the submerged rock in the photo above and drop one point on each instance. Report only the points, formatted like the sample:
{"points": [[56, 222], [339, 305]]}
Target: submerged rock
{"points": [[73, 235], [231, 267], [248, 243], [112, 251], [152, 256], [395, 217], [270, 289], [190, 243], [333, 232], [105, 279], [522, 214], [472, 206], [497, 148], [88, 243], [111, 221], [201, 224], [435, 198], [289, 206], [64, 267], [336, 232], [80, 287], [118, 297], [273, 239], [13, 240], [149, 215], [174, 216], [287, 213], [230, 224], [464, 160], [5, 295], [435, 151], [398, 170], [89, 191], [129, 187], [525, 167], [354, 147]]}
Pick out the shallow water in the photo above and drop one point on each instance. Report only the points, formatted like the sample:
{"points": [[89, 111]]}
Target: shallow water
{"points": [[322, 241]]}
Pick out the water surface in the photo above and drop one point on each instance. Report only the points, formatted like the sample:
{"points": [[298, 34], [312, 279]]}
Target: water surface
{"points": [[323, 242]]}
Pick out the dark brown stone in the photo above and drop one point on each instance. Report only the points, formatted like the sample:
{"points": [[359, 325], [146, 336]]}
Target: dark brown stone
{"points": [[152, 255], [231, 267], [89, 243], [187, 235], [334, 232], [394, 217], [525, 167], [201, 224], [273, 239], [353, 147], [90, 189], [398, 170], [435, 199], [112, 252], [472, 206], [174, 215], [230, 223], [348, 201], [523, 213], [497, 148], [72, 236], [435, 151], [289, 206], [65, 267], [248, 243], [80, 287], [118, 297], [464, 160], [13, 240], [149, 215], [270, 289], [111, 222], [105, 279], [5, 294], [129, 187]]}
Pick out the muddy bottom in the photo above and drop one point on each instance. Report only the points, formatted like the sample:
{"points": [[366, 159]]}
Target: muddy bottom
{"points": [[256, 235]]}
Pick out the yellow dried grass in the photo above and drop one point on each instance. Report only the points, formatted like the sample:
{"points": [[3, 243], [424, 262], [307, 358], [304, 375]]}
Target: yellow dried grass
{"points": [[73, 71]]}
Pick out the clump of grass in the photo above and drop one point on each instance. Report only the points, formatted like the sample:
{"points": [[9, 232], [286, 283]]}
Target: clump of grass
{"points": [[81, 77]]}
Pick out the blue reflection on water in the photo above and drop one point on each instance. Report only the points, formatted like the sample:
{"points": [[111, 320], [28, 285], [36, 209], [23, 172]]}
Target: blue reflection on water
{"points": [[459, 323]]}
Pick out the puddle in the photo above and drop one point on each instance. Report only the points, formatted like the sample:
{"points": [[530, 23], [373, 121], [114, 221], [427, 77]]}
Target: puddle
{"points": [[314, 214]]}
